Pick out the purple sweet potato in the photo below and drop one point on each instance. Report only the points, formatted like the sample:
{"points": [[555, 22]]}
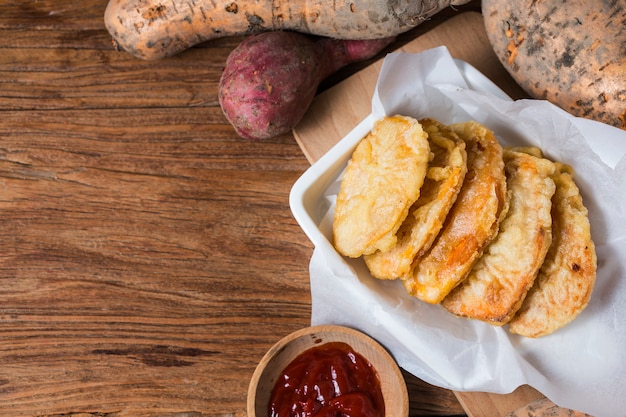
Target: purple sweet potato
{"points": [[271, 78]]}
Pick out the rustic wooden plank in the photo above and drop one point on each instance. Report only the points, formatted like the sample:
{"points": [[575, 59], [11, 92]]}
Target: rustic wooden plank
{"points": [[134, 272], [185, 138], [70, 79], [30, 40], [429, 400], [48, 14]]}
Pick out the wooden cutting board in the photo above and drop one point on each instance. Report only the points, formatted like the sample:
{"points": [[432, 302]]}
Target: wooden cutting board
{"points": [[336, 111]]}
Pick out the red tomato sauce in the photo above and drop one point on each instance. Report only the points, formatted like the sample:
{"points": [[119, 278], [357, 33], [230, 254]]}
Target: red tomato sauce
{"points": [[330, 380]]}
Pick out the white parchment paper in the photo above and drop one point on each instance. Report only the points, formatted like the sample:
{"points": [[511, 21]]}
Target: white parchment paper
{"points": [[582, 366]]}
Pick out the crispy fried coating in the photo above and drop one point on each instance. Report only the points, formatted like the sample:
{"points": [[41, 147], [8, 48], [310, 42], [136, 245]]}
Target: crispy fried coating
{"points": [[472, 222], [566, 279], [444, 179], [498, 282], [381, 182]]}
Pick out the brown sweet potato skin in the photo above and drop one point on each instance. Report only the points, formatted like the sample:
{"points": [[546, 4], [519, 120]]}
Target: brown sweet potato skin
{"points": [[270, 79], [543, 407], [571, 53], [153, 29]]}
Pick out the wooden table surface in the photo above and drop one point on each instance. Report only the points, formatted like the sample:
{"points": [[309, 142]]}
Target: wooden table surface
{"points": [[148, 255]]}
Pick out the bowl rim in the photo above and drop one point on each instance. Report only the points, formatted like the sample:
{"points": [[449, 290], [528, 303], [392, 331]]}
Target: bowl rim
{"points": [[325, 329]]}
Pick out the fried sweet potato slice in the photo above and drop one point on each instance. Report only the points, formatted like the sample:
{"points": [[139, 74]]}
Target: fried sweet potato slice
{"points": [[444, 178], [472, 222], [566, 279], [498, 282], [380, 184]]}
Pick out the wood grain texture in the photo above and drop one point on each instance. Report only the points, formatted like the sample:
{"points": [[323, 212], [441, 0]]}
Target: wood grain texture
{"points": [[485, 404], [149, 257]]}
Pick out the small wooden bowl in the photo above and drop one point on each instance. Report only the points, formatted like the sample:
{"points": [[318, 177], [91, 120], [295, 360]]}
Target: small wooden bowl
{"points": [[287, 349]]}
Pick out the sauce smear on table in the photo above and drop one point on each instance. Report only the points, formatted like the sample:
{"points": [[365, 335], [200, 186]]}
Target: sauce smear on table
{"points": [[330, 380]]}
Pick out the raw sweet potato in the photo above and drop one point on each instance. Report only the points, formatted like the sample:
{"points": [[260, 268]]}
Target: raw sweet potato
{"points": [[152, 29], [271, 78], [543, 407], [571, 53]]}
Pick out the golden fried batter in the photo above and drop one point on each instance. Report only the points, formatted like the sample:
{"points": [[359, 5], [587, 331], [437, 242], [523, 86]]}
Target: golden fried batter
{"points": [[498, 282], [381, 182], [567, 277], [444, 179], [472, 222]]}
